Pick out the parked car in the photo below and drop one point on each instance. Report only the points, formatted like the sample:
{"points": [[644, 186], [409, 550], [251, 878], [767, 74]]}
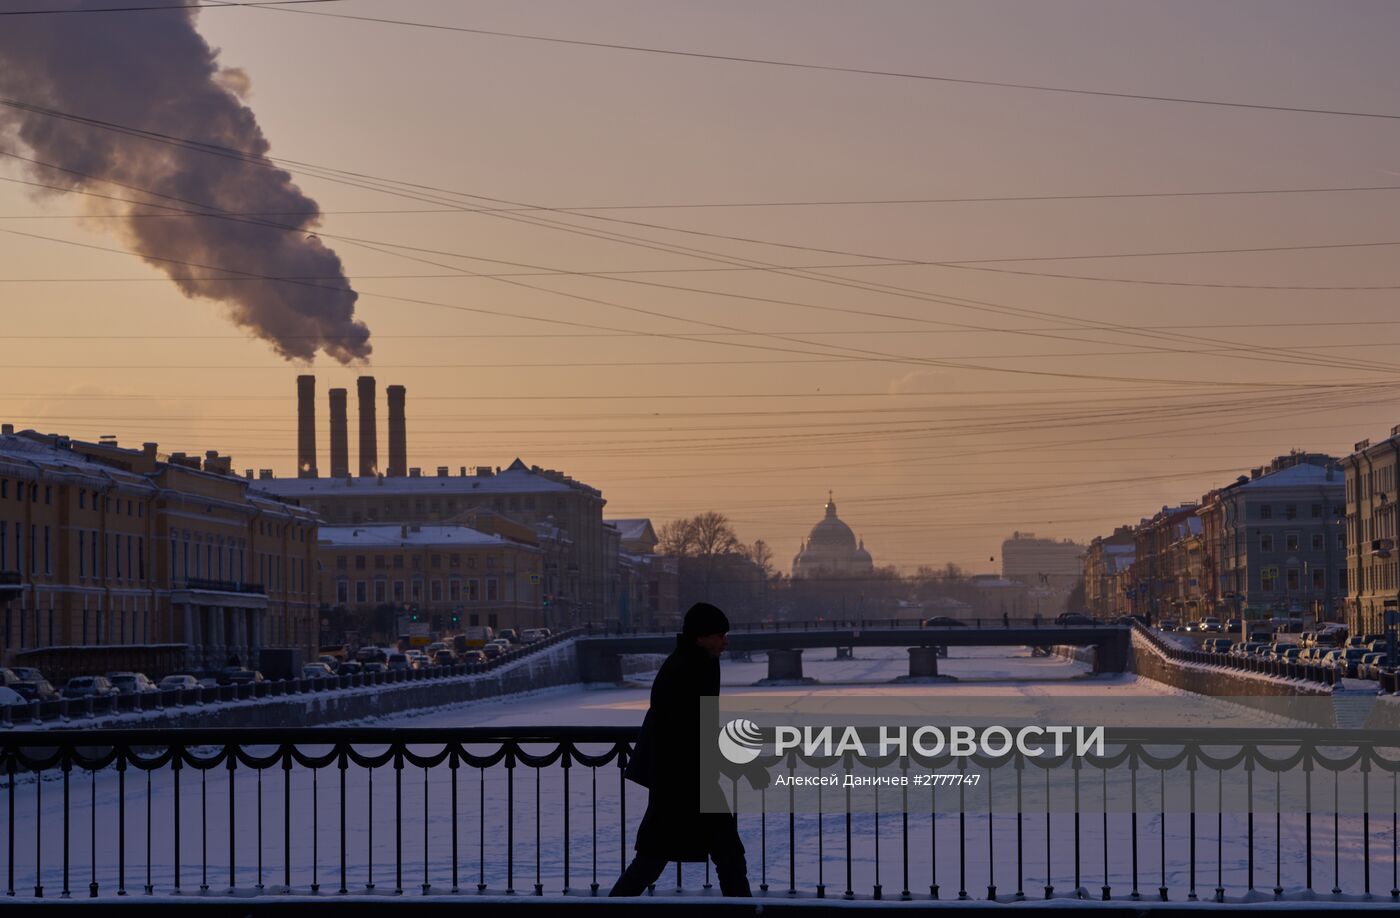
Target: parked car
{"points": [[8, 676], [132, 683], [243, 676], [943, 621], [1211, 624], [1370, 665], [1233, 625], [492, 651], [38, 690], [399, 661], [372, 655], [474, 656], [375, 667], [1286, 654], [533, 635], [510, 634], [444, 657], [434, 647], [417, 658], [350, 668], [1074, 618], [332, 663], [1167, 625], [89, 687], [316, 671], [32, 685], [1217, 645], [9, 696], [181, 681]]}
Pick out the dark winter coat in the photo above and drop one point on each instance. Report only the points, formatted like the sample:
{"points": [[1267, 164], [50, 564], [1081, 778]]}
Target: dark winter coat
{"points": [[667, 760]]}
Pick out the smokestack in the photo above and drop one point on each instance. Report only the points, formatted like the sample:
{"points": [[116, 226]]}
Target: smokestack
{"points": [[306, 427], [340, 436], [369, 432], [104, 64], [398, 434]]}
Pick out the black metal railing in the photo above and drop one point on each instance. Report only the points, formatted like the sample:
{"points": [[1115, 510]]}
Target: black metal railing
{"points": [[546, 810], [1047, 623], [67, 709]]}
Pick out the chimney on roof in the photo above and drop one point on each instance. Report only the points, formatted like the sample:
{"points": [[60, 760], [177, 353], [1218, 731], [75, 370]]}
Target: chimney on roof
{"points": [[248, 474], [340, 435], [7, 429], [415, 472], [398, 432], [369, 431], [148, 450], [442, 471], [264, 474], [306, 426]]}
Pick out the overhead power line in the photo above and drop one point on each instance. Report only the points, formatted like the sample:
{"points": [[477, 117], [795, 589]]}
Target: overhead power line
{"points": [[209, 4], [857, 71]]}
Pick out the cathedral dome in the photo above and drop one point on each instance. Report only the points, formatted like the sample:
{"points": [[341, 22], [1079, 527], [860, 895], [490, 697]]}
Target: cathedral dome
{"points": [[831, 549], [831, 533]]}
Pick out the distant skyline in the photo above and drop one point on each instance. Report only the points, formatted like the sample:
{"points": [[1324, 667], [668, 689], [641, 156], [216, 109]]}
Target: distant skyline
{"points": [[1148, 332]]}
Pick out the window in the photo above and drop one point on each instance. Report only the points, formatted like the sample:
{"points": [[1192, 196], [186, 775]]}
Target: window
{"points": [[436, 562], [381, 590], [492, 589], [1266, 511], [1290, 541], [379, 562], [361, 593], [359, 562], [1266, 542], [417, 563], [417, 590], [454, 590], [1268, 578], [1292, 578], [436, 591], [1317, 511], [1317, 541], [48, 553], [454, 560], [1290, 511], [341, 563], [82, 498], [1319, 580], [473, 590], [398, 591], [342, 592], [48, 494], [398, 562]]}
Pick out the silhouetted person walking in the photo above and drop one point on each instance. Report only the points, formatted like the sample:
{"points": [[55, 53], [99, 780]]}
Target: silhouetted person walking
{"points": [[667, 761]]}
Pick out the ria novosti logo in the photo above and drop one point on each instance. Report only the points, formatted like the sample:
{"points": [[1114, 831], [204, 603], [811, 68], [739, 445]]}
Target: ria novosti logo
{"points": [[740, 741]]}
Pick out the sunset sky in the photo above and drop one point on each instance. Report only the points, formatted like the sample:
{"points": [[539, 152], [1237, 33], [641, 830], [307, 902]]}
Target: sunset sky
{"points": [[753, 349]]}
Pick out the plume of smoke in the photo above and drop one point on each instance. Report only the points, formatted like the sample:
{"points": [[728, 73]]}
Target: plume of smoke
{"points": [[154, 72]]}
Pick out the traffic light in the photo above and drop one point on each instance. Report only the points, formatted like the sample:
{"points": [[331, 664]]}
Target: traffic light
{"points": [[547, 600], [456, 618]]}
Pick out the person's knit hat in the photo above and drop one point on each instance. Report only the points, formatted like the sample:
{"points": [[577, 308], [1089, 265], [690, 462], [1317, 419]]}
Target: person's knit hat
{"points": [[703, 619]]}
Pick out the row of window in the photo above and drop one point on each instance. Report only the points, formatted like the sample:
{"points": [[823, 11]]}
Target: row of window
{"points": [[1292, 541], [1290, 511], [383, 562], [34, 627], [1373, 481], [382, 590]]}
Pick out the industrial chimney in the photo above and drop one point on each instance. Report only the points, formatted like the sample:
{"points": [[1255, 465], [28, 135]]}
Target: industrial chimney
{"points": [[369, 432], [306, 427], [340, 436], [398, 434]]}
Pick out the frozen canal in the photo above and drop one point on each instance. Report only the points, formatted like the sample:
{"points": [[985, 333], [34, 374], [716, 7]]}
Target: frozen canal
{"points": [[497, 814]]}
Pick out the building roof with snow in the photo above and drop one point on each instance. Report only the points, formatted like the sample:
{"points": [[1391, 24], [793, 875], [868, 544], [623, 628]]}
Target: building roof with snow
{"points": [[393, 536]]}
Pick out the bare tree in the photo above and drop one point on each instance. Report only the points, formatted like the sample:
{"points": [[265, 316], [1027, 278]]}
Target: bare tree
{"points": [[676, 539], [713, 536]]}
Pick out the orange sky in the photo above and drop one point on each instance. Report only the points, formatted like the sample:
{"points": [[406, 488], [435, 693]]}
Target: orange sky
{"points": [[1072, 405]]}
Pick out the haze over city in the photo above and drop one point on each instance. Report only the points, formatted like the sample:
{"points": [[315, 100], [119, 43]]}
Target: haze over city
{"points": [[707, 280]]}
